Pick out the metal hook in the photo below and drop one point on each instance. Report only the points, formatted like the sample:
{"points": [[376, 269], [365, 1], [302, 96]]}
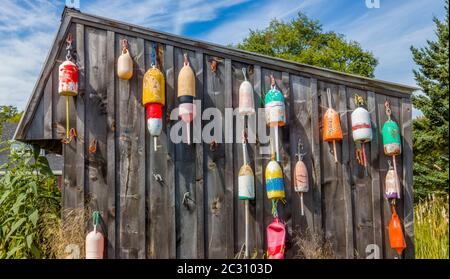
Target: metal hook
{"points": [[300, 155], [157, 177], [186, 60], [187, 197], [387, 107]]}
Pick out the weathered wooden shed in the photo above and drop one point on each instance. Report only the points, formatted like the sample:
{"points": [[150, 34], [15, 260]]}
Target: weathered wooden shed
{"points": [[144, 217]]}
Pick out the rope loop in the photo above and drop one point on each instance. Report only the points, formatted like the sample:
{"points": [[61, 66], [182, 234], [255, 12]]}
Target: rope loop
{"points": [[244, 73], [186, 60], [387, 107], [359, 101], [272, 81], [124, 46]]}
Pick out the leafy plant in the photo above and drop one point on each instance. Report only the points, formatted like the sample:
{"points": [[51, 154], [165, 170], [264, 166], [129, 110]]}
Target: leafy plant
{"points": [[29, 198]]}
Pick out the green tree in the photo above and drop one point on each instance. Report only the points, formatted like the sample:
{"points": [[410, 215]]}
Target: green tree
{"points": [[430, 131], [30, 203], [9, 114], [303, 40]]}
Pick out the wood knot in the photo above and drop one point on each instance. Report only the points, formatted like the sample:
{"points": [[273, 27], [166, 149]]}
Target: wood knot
{"points": [[215, 206]]}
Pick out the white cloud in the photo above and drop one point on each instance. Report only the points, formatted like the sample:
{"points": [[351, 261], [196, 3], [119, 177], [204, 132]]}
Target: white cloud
{"points": [[235, 29]]}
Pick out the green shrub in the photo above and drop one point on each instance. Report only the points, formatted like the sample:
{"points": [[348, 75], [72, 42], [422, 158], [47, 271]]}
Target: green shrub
{"points": [[29, 201]]}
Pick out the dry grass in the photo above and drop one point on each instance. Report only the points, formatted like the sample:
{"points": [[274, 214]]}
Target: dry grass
{"points": [[68, 234], [431, 228], [312, 245]]}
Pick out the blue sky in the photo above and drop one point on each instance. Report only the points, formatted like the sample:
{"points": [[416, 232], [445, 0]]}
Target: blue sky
{"points": [[27, 29]]}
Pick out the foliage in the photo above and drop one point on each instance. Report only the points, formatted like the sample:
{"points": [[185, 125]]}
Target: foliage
{"points": [[430, 132], [9, 114], [431, 228], [312, 245], [29, 198], [303, 40]]}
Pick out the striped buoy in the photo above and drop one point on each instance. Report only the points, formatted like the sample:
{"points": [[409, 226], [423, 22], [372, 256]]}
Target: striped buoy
{"points": [[361, 130], [392, 147], [275, 111], [274, 183], [154, 98], [186, 95]]}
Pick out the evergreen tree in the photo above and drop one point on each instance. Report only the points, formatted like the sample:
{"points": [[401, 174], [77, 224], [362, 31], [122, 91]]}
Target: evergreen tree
{"points": [[430, 131]]}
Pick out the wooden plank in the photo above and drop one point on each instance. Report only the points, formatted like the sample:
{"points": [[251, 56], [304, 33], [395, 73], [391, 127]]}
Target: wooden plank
{"points": [[239, 205], [229, 167], [259, 167], [315, 147], [169, 69], [187, 202], [300, 128], [96, 187], [346, 176], [159, 241], [408, 195], [48, 108], [335, 198], [285, 151], [131, 174], [361, 188], [233, 53], [36, 128], [375, 175], [111, 144], [216, 213], [199, 182], [383, 168]]}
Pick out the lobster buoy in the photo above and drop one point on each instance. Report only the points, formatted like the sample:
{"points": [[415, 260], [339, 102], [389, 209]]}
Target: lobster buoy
{"points": [[154, 98], [246, 98], [396, 238], [332, 130], [186, 92], [95, 241], [301, 184], [68, 81], [392, 184], [274, 183], [125, 63], [361, 129], [275, 111], [276, 240], [392, 146]]}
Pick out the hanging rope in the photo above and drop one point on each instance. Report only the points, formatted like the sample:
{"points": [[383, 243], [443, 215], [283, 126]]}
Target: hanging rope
{"points": [[124, 46], [359, 100], [387, 107], [186, 60], [69, 47], [272, 81], [244, 73], [72, 136], [154, 49]]}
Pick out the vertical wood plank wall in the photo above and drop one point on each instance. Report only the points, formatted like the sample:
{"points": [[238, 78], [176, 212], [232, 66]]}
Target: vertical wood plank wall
{"points": [[193, 210]]}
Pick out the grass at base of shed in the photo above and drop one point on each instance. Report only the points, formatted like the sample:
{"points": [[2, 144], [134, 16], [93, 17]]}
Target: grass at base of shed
{"points": [[431, 228], [311, 245], [69, 235]]}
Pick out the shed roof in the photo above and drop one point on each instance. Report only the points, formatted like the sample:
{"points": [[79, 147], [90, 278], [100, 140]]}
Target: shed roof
{"points": [[74, 16]]}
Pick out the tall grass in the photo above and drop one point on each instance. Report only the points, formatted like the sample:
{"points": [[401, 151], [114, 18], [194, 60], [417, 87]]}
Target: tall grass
{"points": [[431, 228]]}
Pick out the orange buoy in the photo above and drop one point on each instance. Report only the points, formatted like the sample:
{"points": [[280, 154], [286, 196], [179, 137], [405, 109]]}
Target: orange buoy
{"points": [[95, 241], [332, 130], [396, 238], [125, 63]]}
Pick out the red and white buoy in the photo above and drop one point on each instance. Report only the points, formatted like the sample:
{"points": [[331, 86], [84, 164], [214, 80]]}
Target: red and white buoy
{"points": [[361, 130], [68, 81]]}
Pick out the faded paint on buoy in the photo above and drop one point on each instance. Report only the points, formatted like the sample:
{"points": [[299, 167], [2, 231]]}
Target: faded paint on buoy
{"points": [[246, 183], [68, 79], [274, 181], [186, 81], [391, 138], [361, 125], [275, 108], [94, 245], [153, 90], [332, 130], [125, 65], [301, 177]]}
